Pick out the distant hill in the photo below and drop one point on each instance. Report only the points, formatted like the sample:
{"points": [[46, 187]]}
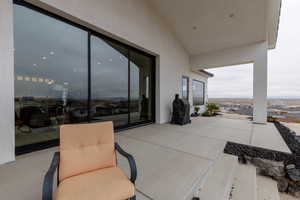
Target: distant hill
{"points": [[271, 101]]}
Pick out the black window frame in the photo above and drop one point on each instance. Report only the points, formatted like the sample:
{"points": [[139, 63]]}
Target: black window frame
{"points": [[203, 99], [52, 143], [188, 87]]}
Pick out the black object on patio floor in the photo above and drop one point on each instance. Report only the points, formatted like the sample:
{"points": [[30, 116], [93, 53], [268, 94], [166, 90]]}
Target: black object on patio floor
{"points": [[181, 111]]}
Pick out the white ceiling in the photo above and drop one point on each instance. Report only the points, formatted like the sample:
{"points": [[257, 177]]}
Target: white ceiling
{"points": [[209, 25]]}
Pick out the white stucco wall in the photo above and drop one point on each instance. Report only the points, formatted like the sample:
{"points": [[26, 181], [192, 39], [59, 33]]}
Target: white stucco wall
{"points": [[134, 22], [7, 144]]}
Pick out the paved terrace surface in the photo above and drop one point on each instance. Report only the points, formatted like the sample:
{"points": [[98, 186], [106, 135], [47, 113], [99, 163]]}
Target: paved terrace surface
{"points": [[171, 159]]}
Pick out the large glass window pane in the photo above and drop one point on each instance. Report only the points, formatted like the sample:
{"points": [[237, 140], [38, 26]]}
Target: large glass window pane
{"points": [[109, 86], [185, 88], [141, 77], [198, 93], [51, 76]]}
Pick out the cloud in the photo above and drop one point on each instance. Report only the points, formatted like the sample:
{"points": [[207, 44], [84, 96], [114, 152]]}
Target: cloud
{"points": [[232, 81]]}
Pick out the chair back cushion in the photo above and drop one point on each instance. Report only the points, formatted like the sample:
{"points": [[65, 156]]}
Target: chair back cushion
{"points": [[85, 148]]}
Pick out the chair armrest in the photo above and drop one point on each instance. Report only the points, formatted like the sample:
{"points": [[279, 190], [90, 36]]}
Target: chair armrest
{"points": [[133, 169], [49, 177]]}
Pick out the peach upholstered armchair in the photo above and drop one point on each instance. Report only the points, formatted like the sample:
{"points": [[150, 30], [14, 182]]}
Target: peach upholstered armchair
{"points": [[87, 166]]}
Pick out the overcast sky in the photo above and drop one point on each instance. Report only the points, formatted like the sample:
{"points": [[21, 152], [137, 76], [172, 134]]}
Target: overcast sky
{"points": [[284, 63]]}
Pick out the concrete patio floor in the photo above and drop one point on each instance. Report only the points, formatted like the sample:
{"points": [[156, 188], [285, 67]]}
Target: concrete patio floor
{"points": [[171, 159]]}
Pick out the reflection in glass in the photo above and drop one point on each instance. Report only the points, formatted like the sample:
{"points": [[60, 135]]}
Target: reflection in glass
{"points": [[198, 93], [51, 81], [185, 88], [109, 82], [140, 87]]}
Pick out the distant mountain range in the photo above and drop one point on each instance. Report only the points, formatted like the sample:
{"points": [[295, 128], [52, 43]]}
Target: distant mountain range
{"points": [[271, 97], [271, 101]]}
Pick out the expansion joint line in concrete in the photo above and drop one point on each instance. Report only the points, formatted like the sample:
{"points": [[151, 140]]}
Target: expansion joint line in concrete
{"points": [[167, 147]]}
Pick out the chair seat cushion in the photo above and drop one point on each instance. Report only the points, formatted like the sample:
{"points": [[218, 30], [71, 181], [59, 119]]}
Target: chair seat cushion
{"points": [[104, 184]]}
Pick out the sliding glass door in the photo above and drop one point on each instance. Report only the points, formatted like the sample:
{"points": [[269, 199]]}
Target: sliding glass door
{"points": [[66, 74], [51, 76], [121, 83], [109, 82], [141, 87]]}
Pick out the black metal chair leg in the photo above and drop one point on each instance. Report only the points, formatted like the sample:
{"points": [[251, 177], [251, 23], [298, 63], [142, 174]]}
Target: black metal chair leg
{"points": [[132, 198]]}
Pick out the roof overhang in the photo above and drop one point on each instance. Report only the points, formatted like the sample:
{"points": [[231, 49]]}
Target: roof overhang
{"points": [[273, 19], [206, 26]]}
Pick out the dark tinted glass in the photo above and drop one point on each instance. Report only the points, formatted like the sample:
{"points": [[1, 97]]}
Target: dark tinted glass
{"points": [[51, 76], [52, 79], [141, 83], [198, 92], [109, 81]]}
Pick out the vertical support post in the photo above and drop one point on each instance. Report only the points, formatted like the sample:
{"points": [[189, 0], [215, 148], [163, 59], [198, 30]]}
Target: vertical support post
{"points": [[7, 122], [260, 83]]}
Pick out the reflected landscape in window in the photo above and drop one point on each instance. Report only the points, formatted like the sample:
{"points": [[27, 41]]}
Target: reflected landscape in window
{"points": [[185, 88], [51, 76], [109, 91], [198, 93], [140, 87], [66, 74]]}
